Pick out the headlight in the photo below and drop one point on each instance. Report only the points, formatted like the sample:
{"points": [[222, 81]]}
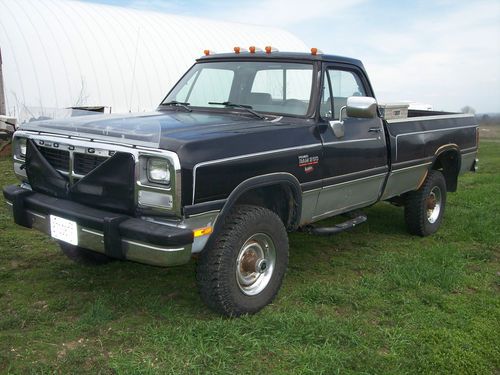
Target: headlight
{"points": [[21, 147], [158, 171]]}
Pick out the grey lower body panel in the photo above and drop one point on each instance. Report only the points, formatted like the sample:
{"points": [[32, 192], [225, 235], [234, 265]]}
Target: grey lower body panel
{"points": [[347, 196], [405, 179], [468, 161], [309, 203]]}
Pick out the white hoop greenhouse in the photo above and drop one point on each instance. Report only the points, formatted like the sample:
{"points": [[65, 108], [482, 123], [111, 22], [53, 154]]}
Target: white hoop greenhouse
{"points": [[59, 53]]}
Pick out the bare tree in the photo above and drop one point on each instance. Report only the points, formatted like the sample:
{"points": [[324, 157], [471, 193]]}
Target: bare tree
{"points": [[468, 109]]}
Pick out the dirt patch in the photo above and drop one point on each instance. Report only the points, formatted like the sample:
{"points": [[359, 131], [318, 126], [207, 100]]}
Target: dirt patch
{"points": [[68, 346], [489, 131], [5, 149]]}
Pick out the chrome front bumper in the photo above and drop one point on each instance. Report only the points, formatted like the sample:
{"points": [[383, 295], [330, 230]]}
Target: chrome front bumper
{"points": [[133, 239]]}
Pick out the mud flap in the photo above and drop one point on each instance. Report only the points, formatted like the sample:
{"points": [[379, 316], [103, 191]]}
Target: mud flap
{"points": [[112, 238], [18, 208]]}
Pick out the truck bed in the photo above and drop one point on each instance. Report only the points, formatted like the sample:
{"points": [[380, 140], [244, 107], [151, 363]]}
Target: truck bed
{"points": [[415, 143]]}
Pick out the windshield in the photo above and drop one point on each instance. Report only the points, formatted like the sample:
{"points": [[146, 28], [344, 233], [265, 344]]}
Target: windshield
{"points": [[270, 87]]}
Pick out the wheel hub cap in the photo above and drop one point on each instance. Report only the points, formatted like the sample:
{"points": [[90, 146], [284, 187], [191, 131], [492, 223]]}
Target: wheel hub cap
{"points": [[433, 204], [255, 264]]}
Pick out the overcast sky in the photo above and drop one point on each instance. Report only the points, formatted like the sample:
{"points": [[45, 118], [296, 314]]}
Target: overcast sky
{"points": [[442, 52]]}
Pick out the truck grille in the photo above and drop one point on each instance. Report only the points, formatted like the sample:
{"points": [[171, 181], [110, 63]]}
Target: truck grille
{"points": [[59, 159], [84, 163]]}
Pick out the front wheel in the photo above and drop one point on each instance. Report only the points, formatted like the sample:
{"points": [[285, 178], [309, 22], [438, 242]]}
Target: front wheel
{"points": [[242, 271], [424, 207]]}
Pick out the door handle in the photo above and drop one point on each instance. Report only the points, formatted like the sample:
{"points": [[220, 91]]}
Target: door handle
{"points": [[374, 130]]}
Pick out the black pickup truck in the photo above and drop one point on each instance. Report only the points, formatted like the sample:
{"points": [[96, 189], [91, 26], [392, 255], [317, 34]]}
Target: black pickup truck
{"points": [[245, 147]]}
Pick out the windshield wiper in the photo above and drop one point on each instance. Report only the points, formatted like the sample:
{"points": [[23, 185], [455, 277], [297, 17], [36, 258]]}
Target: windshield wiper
{"points": [[247, 108], [179, 104]]}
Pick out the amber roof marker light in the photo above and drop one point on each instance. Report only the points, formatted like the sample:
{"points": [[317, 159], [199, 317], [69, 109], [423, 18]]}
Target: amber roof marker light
{"points": [[206, 52], [251, 49], [269, 49], [237, 50], [315, 51]]}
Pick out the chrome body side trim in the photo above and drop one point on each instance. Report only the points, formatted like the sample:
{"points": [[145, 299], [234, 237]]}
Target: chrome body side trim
{"points": [[257, 154], [435, 117], [467, 150], [351, 141]]}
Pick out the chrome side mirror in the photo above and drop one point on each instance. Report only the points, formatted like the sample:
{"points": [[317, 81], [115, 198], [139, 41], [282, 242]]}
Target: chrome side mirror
{"points": [[361, 107], [338, 125]]}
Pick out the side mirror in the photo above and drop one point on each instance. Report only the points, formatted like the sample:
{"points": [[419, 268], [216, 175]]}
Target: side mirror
{"points": [[361, 107]]}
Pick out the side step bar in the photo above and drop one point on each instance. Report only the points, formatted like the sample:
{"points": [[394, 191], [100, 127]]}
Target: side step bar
{"points": [[328, 231]]}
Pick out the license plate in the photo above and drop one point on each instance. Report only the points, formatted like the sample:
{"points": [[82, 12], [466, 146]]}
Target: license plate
{"points": [[64, 230]]}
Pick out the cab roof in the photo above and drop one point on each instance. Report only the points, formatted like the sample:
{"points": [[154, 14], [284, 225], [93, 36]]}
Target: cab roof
{"points": [[288, 56]]}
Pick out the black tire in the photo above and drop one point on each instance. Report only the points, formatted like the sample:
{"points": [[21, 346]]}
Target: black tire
{"points": [[83, 256], [217, 272], [420, 220]]}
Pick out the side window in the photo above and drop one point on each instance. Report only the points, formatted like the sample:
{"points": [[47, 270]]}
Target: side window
{"points": [[211, 85], [326, 110], [339, 85]]}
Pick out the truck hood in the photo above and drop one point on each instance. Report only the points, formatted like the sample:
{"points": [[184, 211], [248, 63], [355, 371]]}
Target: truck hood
{"points": [[168, 130]]}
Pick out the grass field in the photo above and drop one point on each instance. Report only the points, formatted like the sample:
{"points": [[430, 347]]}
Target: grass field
{"points": [[375, 300]]}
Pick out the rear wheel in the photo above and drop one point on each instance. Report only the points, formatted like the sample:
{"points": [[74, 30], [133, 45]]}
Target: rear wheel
{"points": [[242, 271], [83, 256], [424, 208]]}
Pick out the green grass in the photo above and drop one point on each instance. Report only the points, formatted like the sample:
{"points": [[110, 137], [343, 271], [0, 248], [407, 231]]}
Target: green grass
{"points": [[374, 300]]}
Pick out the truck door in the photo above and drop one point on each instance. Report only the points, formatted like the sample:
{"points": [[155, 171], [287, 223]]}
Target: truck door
{"points": [[354, 166]]}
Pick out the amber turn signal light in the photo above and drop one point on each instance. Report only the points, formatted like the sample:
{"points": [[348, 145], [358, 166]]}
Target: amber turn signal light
{"points": [[202, 231]]}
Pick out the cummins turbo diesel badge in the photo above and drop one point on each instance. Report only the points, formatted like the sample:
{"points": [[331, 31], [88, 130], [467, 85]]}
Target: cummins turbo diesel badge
{"points": [[307, 162]]}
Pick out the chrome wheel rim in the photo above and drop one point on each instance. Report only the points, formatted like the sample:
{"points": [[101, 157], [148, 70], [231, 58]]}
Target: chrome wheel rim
{"points": [[255, 264], [433, 204]]}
